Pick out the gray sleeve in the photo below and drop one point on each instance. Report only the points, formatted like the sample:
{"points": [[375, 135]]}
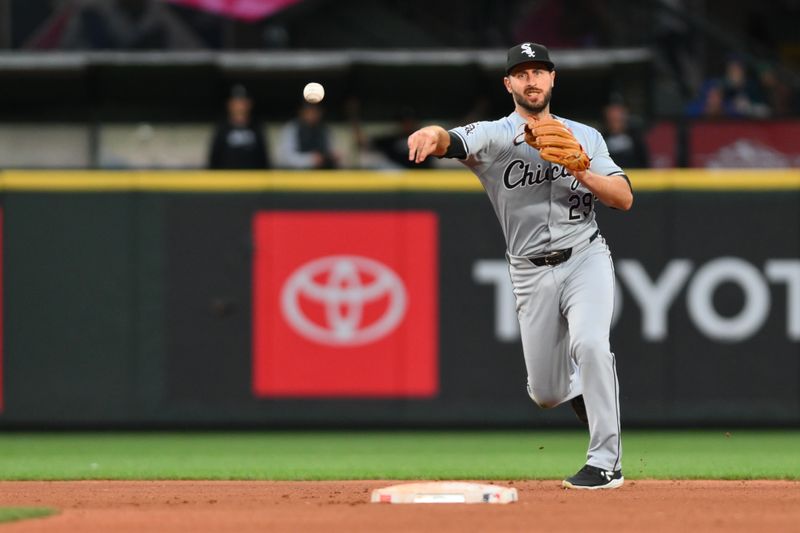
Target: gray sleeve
{"points": [[475, 137], [601, 160]]}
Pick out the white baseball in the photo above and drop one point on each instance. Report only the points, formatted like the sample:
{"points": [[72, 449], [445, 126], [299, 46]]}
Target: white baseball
{"points": [[313, 93]]}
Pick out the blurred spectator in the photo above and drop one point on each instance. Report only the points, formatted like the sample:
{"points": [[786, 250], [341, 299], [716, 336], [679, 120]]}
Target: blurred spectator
{"points": [[393, 146], [125, 25], [238, 142], [742, 92], [710, 103], [626, 143], [736, 95], [306, 141]]}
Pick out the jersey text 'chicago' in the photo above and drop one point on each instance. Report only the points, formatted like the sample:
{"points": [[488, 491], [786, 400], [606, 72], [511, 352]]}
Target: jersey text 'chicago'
{"points": [[540, 205]]}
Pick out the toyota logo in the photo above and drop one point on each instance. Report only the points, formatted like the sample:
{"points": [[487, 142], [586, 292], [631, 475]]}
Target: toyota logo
{"points": [[326, 300]]}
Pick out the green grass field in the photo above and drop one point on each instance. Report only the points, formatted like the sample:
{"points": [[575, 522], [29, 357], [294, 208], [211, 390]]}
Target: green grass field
{"points": [[391, 455]]}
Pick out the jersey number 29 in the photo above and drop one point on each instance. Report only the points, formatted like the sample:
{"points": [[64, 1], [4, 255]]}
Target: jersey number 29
{"points": [[581, 203]]}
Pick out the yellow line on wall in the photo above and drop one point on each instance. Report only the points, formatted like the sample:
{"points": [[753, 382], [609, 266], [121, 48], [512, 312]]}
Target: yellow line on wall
{"points": [[363, 181], [716, 180], [156, 181]]}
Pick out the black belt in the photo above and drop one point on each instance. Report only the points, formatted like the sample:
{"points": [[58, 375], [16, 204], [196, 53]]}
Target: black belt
{"points": [[557, 257]]}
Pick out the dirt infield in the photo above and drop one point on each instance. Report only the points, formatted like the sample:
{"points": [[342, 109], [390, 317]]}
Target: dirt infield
{"points": [[242, 506]]}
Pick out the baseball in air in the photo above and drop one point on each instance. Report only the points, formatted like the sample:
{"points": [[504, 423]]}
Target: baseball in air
{"points": [[313, 93]]}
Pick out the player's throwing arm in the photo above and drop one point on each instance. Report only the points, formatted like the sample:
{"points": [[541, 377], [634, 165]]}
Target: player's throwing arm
{"points": [[430, 140]]}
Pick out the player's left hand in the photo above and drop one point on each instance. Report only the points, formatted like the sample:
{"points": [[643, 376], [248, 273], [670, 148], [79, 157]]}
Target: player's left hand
{"points": [[556, 144]]}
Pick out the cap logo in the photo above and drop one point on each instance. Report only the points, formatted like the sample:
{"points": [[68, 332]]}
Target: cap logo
{"points": [[526, 49]]}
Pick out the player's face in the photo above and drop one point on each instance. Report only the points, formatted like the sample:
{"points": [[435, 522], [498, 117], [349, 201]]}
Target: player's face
{"points": [[531, 85]]}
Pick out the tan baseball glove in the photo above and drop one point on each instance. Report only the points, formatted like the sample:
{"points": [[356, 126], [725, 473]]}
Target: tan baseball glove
{"points": [[556, 143]]}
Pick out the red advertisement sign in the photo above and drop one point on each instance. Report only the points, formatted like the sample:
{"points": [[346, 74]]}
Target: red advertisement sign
{"points": [[745, 144], [345, 304], [662, 143]]}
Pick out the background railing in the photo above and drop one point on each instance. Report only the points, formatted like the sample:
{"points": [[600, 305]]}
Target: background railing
{"points": [[732, 144]]}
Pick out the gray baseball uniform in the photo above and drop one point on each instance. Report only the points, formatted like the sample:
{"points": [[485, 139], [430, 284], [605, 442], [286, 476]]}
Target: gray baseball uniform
{"points": [[564, 310]]}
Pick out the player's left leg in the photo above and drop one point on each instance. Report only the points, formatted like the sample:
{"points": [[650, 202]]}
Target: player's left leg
{"points": [[587, 300], [545, 338]]}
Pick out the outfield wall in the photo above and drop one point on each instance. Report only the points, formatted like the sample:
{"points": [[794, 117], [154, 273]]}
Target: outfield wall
{"points": [[358, 298]]}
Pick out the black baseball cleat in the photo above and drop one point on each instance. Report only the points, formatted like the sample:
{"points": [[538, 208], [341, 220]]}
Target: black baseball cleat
{"points": [[593, 478], [579, 406]]}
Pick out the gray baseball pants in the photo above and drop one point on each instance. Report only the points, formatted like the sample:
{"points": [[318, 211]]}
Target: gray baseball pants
{"points": [[565, 314]]}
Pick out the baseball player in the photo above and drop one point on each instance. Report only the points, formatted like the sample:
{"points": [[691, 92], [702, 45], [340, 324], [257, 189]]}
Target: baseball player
{"points": [[543, 175]]}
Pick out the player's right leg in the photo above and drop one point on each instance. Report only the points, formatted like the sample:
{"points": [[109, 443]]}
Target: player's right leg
{"points": [[545, 334]]}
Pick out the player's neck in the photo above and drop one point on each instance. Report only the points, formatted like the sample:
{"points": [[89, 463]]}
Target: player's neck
{"points": [[525, 114]]}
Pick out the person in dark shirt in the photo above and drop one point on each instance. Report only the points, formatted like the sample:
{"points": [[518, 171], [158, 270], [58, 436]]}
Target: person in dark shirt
{"points": [[238, 142], [626, 144], [744, 93], [394, 146], [306, 141]]}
